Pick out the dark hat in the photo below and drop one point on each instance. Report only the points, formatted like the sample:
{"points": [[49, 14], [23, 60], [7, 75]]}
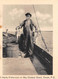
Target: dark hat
{"points": [[28, 14]]}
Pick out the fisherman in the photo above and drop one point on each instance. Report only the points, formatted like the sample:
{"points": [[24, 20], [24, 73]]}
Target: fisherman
{"points": [[28, 27]]}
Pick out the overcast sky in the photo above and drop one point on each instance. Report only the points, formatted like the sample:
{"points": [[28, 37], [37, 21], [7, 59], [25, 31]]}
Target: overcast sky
{"points": [[13, 15]]}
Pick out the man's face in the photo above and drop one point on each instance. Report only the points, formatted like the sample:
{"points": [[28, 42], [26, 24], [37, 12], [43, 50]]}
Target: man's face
{"points": [[28, 17]]}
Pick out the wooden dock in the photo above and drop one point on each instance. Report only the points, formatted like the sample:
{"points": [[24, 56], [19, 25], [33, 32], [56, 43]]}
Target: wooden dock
{"points": [[15, 64], [18, 66]]}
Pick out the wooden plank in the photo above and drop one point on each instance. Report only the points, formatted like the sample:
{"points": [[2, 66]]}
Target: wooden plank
{"points": [[18, 66]]}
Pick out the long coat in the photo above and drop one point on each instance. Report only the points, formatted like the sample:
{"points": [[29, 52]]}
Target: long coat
{"points": [[28, 26]]}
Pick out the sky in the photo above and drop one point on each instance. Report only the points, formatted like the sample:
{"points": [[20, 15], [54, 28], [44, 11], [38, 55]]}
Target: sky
{"points": [[13, 15]]}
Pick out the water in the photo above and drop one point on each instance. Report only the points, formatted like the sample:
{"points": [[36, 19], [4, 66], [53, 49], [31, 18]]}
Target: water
{"points": [[48, 37]]}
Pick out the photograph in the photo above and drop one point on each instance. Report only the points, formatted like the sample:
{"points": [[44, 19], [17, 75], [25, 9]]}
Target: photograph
{"points": [[27, 39]]}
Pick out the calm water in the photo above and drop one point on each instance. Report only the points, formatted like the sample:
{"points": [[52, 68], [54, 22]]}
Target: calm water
{"points": [[48, 37]]}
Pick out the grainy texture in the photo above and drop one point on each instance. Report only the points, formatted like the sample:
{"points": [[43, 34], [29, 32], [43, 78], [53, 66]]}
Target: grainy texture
{"points": [[18, 66], [48, 37]]}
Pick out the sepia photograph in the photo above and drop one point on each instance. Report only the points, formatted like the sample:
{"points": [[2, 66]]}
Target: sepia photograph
{"points": [[28, 39]]}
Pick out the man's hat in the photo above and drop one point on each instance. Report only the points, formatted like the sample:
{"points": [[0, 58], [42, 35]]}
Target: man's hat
{"points": [[28, 14]]}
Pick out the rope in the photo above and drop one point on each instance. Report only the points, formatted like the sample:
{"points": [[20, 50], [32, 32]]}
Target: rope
{"points": [[40, 30]]}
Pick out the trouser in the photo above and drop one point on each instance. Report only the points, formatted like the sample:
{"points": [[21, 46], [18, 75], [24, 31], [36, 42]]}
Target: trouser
{"points": [[29, 46]]}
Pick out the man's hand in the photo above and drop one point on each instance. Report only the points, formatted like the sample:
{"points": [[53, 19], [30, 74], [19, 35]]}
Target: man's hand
{"points": [[18, 27], [37, 33]]}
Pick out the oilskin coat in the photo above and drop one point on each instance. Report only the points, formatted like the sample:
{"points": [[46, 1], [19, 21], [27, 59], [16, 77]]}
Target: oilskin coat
{"points": [[28, 26]]}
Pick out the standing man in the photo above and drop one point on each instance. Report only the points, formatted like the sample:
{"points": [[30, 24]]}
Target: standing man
{"points": [[28, 26]]}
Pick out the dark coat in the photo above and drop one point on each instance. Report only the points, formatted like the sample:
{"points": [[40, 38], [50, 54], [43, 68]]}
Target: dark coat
{"points": [[31, 26]]}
